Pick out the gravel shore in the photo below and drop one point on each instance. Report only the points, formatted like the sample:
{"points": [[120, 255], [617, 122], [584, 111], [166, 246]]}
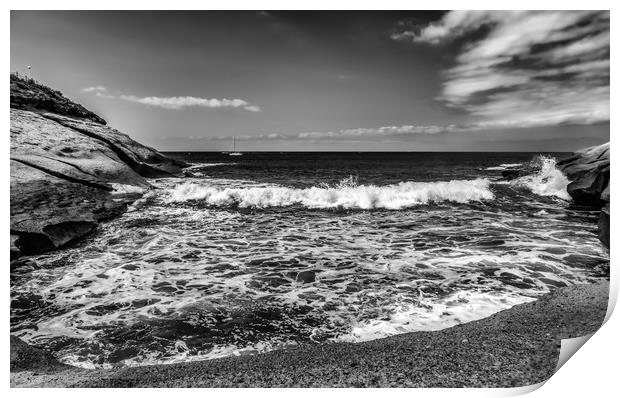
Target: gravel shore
{"points": [[516, 347]]}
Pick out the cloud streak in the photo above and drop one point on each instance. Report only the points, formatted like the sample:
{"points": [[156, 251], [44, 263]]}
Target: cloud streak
{"points": [[176, 102], [189, 102], [94, 89], [538, 67], [403, 130]]}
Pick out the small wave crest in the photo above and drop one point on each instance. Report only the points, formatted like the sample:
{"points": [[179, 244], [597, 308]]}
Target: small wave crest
{"points": [[180, 354], [346, 194], [504, 166], [546, 179]]}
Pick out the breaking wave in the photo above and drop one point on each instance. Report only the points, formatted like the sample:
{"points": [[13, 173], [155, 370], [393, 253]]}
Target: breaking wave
{"points": [[546, 180], [346, 195]]}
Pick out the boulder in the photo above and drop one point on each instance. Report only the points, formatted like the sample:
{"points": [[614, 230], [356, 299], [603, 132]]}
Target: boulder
{"points": [[69, 170], [48, 212], [603, 226], [589, 172], [584, 160], [511, 174], [588, 188]]}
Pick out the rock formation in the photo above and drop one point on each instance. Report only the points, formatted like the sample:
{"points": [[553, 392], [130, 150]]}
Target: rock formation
{"points": [[26, 357], [28, 94], [69, 170], [588, 170]]}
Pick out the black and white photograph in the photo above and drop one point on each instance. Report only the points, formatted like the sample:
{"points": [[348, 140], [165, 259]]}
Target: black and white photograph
{"points": [[306, 198]]}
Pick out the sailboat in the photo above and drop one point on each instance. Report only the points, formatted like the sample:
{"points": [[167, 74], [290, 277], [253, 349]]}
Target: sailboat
{"points": [[234, 152]]}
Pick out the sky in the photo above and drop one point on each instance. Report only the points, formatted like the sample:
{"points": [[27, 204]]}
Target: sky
{"points": [[330, 80]]}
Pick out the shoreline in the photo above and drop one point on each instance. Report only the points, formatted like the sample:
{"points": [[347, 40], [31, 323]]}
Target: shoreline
{"points": [[516, 347]]}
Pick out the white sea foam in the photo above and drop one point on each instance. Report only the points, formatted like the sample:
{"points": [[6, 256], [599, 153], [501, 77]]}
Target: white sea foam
{"points": [[547, 181], [397, 196], [504, 166], [202, 165], [462, 307], [121, 189], [180, 356]]}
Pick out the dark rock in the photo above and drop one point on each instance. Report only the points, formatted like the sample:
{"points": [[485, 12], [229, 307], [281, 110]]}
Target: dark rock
{"points": [[603, 226], [69, 170], [581, 261], [605, 194], [48, 212], [26, 357], [353, 288], [587, 189], [28, 94], [589, 172], [14, 248], [511, 174], [584, 160], [306, 276]]}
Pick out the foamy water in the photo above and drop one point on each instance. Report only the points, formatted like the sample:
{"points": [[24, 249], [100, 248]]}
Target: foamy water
{"points": [[395, 197], [504, 166], [237, 262], [548, 180]]}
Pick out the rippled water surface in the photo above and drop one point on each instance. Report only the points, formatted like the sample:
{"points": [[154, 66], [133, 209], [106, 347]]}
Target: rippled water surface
{"points": [[263, 251]]}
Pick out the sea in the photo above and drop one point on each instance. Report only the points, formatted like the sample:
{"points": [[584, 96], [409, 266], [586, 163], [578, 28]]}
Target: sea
{"points": [[267, 251]]}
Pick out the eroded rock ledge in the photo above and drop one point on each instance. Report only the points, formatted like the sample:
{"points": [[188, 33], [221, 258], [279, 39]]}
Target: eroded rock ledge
{"points": [[588, 170], [69, 170]]}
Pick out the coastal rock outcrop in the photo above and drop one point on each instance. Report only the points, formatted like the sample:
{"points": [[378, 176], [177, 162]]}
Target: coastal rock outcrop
{"points": [[511, 174], [603, 226], [26, 357], [28, 94], [588, 169], [69, 170]]}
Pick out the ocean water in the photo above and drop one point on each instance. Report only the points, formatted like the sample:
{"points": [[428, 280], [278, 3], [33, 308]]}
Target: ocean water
{"points": [[270, 250]]}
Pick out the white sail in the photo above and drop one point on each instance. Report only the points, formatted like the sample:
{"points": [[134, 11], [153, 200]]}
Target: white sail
{"points": [[234, 152]]}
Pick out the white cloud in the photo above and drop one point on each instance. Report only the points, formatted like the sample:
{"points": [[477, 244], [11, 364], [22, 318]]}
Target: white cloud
{"points": [[541, 67], [95, 89], [385, 130], [99, 91], [252, 108], [176, 102], [187, 102]]}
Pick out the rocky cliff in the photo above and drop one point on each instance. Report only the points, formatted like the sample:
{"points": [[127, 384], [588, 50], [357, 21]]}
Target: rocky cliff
{"points": [[69, 170], [28, 94], [588, 171]]}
